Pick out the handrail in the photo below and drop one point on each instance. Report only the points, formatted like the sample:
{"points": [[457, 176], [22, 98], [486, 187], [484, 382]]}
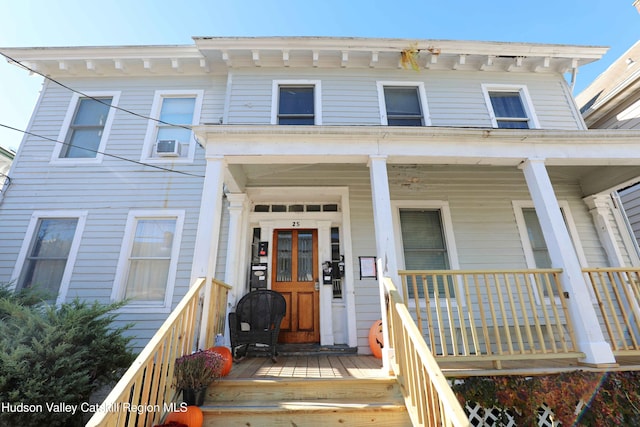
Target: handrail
{"points": [[427, 394], [143, 393], [491, 315], [617, 292]]}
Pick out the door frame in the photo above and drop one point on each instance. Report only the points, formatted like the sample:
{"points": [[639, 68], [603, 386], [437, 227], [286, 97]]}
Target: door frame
{"points": [[322, 222]]}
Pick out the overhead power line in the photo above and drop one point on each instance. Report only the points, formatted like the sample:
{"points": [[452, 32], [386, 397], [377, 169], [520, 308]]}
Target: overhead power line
{"points": [[101, 152]]}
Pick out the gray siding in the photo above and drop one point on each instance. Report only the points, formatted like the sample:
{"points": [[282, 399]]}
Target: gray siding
{"points": [[350, 97], [631, 201], [108, 191]]}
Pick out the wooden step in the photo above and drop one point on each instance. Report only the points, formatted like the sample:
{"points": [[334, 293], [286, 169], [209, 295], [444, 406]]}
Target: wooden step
{"points": [[301, 388], [305, 402]]}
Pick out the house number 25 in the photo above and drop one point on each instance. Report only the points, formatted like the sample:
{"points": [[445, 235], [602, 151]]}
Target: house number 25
{"points": [[295, 224]]}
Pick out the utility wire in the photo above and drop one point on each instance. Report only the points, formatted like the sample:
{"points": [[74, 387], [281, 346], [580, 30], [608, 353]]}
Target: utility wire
{"points": [[20, 64], [103, 153]]}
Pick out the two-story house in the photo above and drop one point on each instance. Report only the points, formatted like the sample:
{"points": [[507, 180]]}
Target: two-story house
{"points": [[259, 161]]}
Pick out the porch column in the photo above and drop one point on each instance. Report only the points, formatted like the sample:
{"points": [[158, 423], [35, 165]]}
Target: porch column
{"points": [[235, 264], [208, 233], [600, 209], [588, 333], [385, 239], [326, 291]]}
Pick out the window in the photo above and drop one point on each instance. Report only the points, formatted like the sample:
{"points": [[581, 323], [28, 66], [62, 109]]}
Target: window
{"points": [[402, 103], [296, 103], [426, 242], [403, 106], [533, 242], [147, 266], [509, 107], [47, 257], [86, 127], [169, 138], [536, 239]]}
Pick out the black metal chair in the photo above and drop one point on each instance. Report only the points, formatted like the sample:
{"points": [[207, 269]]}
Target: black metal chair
{"points": [[257, 321]]}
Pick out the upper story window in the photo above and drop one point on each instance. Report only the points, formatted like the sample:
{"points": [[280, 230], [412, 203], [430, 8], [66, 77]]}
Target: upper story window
{"points": [[47, 256], [86, 127], [169, 138], [296, 103], [402, 103], [510, 107]]}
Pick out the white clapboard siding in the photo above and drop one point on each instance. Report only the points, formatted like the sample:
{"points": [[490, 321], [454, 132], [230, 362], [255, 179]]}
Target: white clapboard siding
{"points": [[631, 202]]}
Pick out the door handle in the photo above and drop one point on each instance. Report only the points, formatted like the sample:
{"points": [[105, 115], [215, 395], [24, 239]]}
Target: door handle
{"points": [[317, 285]]}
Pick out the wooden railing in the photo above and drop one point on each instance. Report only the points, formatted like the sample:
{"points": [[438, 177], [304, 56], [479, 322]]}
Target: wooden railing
{"points": [[617, 292], [144, 393], [491, 315], [427, 394]]}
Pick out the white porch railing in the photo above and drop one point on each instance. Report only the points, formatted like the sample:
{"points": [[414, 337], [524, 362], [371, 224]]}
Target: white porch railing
{"points": [[147, 383], [491, 315]]}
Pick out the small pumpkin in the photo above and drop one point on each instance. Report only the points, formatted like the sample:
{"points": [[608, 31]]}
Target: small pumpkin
{"points": [[376, 340], [192, 416], [227, 359]]}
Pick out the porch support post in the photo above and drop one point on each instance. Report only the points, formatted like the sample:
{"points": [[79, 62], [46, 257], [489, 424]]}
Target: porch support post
{"points": [[385, 239], [235, 243], [585, 321], [326, 291], [600, 208], [208, 232]]}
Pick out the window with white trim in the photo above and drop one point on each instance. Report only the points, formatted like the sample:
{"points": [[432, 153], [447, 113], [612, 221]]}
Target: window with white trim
{"points": [[169, 137], [510, 107], [86, 127], [47, 257], [426, 242], [296, 102], [532, 237], [148, 262], [402, 103]]}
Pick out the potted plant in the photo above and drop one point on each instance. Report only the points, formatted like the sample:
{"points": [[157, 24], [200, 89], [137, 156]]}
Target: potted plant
{"points": [[194, 372]]}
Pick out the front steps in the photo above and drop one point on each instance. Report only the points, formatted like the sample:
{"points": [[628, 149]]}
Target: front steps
{"points": [[305, 402]]}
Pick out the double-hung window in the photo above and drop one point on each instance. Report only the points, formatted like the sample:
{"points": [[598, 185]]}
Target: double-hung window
{"points": [[402, 104], [510, 107], [296, 103], [169, 137], [86, 127], [427, 244], [148, 261], [533, 242], [47, 257]]}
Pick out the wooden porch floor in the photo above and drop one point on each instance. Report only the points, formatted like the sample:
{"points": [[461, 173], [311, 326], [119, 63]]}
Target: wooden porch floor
{"points": [[308, 366], [324, 366]]}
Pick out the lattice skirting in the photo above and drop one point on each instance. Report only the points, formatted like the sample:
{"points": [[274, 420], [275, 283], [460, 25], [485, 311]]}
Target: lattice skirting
{"points": [[495, 417]]}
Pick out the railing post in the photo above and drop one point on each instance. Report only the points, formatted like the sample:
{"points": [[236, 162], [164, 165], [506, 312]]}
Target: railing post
{"points": [[585, 320]]}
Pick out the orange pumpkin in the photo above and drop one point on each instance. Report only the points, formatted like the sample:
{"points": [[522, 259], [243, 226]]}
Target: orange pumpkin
{"points": [[192, 417], [376, 340], [226, 356]]}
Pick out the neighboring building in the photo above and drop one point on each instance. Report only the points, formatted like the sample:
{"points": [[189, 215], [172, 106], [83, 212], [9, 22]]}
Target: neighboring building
{"points": [[612, 101], [6, 157], [208, 160]]}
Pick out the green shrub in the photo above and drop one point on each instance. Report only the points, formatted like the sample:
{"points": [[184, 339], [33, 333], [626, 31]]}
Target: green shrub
{"points": [[56, 355]]}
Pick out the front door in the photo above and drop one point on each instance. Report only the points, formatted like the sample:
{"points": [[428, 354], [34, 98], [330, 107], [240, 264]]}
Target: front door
{"points": [[295, 276]]}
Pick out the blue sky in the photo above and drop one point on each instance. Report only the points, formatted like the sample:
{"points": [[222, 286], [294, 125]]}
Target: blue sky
{"points": [[27, 23]]}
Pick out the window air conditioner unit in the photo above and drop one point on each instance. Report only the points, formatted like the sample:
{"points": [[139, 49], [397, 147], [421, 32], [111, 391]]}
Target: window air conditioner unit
{"points": [[168, 147]]}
